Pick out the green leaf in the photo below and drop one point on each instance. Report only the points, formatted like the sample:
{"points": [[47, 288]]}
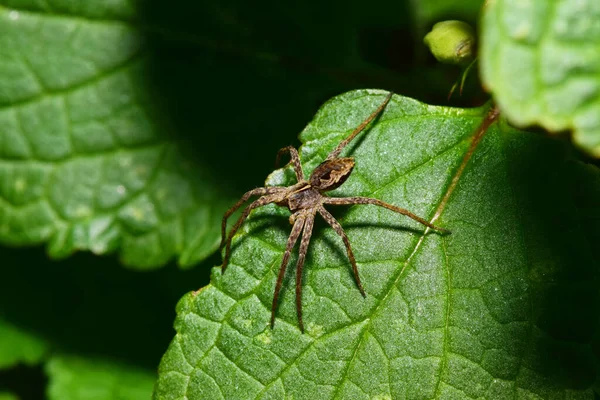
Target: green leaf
{"points": [[19, 346], [8, 396], [505, 306], [540, 61], [429, 12], [76, 378], [88, 305], [88, 159]]}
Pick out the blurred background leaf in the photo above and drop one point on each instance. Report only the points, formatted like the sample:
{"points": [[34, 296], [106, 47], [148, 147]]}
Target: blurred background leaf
{"points": [[88, 158], [556, 81], [18, 346], [76, 378], [86, 306], [8, 396]]}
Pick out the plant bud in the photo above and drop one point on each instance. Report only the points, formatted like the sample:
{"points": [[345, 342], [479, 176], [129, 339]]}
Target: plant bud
{"points": [[451, 42]]}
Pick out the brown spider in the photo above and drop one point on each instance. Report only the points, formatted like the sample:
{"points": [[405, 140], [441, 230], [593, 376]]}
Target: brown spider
{"points": [[305, 199]]}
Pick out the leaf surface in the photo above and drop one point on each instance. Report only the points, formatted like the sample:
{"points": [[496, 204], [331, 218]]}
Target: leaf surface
{"points": [[540, 61], [19, 346], [89, 160], [77, 378], [505, 306]]}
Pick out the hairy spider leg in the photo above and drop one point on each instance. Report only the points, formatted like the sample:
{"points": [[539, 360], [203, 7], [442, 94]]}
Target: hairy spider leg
{"points": [[336, 152], [376, 202], [254, 192], [295, 160], [306, 234], [296, 229], [262, 201], [340, 231]]}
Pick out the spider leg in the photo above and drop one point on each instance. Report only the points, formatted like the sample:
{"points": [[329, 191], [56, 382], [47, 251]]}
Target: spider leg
{"points": [[336, 152], [254, 192], [306, 234], [264, 200], [295, 160], [376, 202], [296, 229], [340, 231]]}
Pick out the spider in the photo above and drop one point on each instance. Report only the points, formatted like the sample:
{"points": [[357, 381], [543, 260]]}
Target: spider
{"points": [[305, 199]]}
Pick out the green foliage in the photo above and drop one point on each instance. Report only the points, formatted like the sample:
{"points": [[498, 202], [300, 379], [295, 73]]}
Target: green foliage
{"points": [[89, 307], [128, 127], [75, 378], [540, 60], [473, 314], [88, 160], [19, 346], [430, 11]]}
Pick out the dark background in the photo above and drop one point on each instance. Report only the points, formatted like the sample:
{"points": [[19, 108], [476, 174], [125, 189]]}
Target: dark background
{"points": [[238, 81]]}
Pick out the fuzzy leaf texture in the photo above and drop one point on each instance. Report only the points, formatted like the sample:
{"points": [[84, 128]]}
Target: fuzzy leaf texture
{"points": [[504, 307], [540, 60]]}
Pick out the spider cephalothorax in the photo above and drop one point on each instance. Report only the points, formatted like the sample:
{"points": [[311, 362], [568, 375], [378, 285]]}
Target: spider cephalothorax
{"points": [[305, 199]]}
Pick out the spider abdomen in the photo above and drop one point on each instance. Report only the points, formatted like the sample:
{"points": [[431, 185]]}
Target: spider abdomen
{"points": [[306, 197]]}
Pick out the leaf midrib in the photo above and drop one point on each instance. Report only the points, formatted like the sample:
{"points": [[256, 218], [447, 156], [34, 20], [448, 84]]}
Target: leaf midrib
{"points": [[394, 282]]}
